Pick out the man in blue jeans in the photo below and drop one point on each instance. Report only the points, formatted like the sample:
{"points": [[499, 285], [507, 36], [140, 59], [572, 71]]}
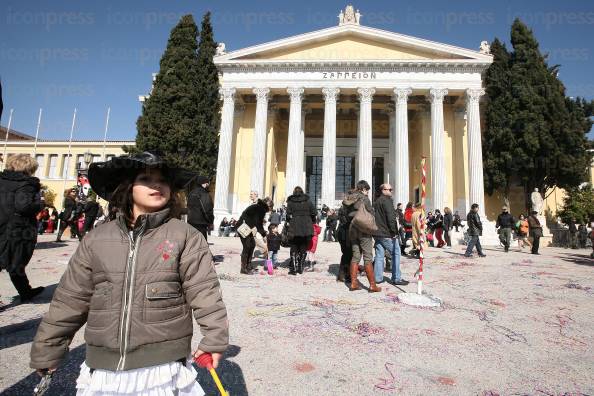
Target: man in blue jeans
{"points": [[386, 237]]}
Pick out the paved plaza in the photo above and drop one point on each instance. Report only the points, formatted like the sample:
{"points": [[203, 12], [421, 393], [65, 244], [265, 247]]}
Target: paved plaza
{"points": [[510, 324]]}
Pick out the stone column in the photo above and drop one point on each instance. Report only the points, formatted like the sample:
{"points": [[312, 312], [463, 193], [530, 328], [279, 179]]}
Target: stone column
{"points": [[259, 143], [225, 147], [295, 142], [329, 148], [475, 151], [389, 158], [400, 160], [438, 166], [301, 149], [365, 139]]}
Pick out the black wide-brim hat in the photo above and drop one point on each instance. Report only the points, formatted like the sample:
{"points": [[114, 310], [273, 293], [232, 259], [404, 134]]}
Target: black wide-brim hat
{"points": [[106, 176]]}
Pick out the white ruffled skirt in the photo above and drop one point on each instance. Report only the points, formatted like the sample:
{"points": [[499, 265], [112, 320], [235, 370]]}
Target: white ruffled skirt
{"points": [[169, 379]]}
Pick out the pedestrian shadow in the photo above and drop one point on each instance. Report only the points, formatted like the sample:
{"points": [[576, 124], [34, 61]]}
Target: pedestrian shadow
{"points": [[44, 298], [64, 380], [230, 374], [579, 259], [49, 245], [333, 269], [18, 333]]}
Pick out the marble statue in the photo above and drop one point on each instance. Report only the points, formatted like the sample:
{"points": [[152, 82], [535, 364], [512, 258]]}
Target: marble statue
{"points": [[485, 48], [537, 201], [220, 49]]}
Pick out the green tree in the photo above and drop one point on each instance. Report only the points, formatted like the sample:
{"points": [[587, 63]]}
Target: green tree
{"points": [[541, 137], [209, 103], [499, 142], [578, 204], [169, 124]]}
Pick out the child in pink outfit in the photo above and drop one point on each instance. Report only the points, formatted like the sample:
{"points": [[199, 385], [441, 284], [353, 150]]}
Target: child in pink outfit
{"points": [[313, 245]]}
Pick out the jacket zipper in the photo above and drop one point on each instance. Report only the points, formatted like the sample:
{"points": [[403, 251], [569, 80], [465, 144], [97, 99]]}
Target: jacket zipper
{"points": [[129, 281]]}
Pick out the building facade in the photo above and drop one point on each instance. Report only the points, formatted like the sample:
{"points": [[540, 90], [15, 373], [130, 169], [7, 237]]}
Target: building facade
{"points": [[324, 109], [59, 163]]}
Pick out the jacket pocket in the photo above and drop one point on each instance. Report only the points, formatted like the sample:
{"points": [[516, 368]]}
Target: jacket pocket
{"points": [[99, 314], [164, 301], [101, 298]]}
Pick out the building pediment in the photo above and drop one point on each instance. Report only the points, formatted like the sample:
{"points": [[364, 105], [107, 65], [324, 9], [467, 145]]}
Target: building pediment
{"points": [[350, 43]]}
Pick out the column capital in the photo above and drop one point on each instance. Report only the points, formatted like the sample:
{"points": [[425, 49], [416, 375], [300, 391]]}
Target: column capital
{"points": [[227, 93], [436, 95], [474, 94], [261, 93], [330, 93], [365, 94], [401, 95], [295, 93]]}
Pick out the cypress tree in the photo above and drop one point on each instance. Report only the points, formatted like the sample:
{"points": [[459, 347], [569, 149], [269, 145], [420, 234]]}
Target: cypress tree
{"points": [[499, 143], [533, 132], [209, 103], [169, 124]]}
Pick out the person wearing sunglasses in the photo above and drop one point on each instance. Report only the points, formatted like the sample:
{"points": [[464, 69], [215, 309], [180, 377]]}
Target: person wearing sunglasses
{"points": [[386, 236]]}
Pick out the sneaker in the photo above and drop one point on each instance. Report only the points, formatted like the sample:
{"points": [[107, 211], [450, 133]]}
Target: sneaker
{"points": [[482, 255], [467, 255]]}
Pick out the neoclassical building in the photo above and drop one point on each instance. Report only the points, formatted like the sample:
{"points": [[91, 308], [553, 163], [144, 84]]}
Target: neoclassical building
{"points": [[324, 109]]}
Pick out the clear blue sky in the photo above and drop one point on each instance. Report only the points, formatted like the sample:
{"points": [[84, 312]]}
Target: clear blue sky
{"points": [[60, 54]]}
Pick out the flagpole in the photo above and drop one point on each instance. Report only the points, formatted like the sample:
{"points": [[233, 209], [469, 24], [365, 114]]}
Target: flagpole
{"points": [[6, 140], [105, 134], [37, 132], [66, 165]]}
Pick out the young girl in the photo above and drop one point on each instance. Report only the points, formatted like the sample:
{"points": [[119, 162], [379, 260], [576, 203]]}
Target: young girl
{"points": [[136, 281], [313, 245]]}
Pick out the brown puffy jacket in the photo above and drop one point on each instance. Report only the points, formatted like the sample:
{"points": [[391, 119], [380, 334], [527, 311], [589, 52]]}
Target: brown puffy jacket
{"points": [[136, 292]]}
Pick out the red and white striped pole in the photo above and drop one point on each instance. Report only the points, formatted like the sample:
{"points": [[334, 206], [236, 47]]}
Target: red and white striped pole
{"points": [[422, 219]]}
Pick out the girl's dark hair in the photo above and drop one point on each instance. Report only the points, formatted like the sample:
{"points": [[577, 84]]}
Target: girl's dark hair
{"points": [[363, 185], [297, 190], [122, 202]]}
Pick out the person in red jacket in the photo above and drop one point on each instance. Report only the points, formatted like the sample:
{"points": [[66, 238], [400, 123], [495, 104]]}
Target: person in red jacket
{"points": [[313, 245], [408, 212]]}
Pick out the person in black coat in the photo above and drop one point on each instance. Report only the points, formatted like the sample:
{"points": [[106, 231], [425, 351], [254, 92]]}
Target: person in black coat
{"points": [[475, 230], [200, 207], [69, 215], [20, 201], [91, 210], [253, 216], [342, 236], [301, 215], [448, 223], [330, 231]]}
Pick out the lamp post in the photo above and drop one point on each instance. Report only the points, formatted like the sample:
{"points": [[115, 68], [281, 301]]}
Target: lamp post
{"points": [[83, 169]]}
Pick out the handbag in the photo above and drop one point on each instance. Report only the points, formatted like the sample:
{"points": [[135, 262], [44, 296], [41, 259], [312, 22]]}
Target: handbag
{"points": [[244, 230], [285, 235], [364, 221]]}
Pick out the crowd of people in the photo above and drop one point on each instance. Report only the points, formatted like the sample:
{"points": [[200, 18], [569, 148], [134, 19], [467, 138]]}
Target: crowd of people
{"points": [[144, 205]]}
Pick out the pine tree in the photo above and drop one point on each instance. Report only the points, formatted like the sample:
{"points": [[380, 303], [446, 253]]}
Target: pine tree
{"points": [[499, 143], [209, 103], [549, 129], [529, 84], [170, 121]]}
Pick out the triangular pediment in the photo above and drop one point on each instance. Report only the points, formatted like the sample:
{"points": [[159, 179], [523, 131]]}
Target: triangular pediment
{"points": [[352, 43]]}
